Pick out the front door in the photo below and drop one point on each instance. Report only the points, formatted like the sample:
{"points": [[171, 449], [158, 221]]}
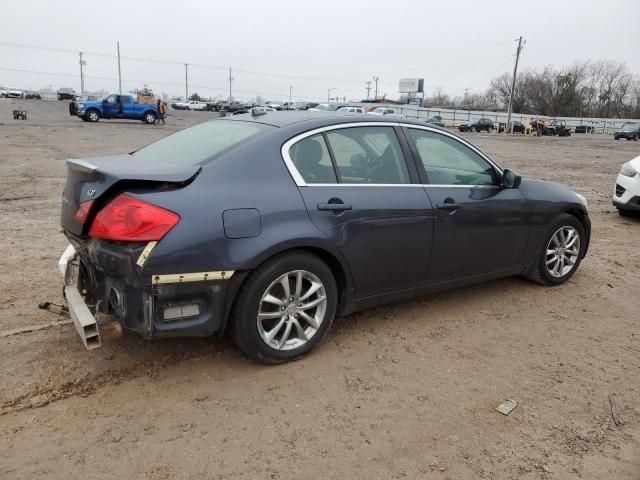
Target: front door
{"points": [[110, 106], [359, 192], [480, 227]]}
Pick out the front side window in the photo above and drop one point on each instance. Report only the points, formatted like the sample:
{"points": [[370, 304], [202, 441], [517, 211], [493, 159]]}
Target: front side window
{"points": [[113, 99], [447, 161], [312, 160], [368, 155]]}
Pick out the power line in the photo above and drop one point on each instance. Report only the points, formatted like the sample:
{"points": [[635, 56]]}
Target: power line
{"points": [[158, 82], [492, 73], [215, 67]]}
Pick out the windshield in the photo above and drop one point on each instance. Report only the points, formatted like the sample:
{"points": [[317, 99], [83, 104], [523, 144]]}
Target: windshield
{"points": [[201, 142], [630, 126]]}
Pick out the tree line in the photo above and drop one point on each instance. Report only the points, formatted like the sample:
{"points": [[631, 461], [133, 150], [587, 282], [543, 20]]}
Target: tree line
{"points": [[601, 89]]}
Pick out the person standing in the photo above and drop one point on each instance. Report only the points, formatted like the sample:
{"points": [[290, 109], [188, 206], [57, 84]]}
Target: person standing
{"points": [[161, 111]]}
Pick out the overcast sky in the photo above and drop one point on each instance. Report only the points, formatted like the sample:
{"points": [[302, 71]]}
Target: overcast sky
{"points": [[309, 46]]}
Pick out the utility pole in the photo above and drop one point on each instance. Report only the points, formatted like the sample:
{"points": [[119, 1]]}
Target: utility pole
{"points": [[375, 79], [466, 95], [513, 85], [230, 80], [119, 72], [186, 82], [290, 90], [82, 62], [368, 89], [329, 93]]}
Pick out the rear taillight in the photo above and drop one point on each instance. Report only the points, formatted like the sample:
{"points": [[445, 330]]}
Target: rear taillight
{"points": [[83, 211], [129, 219]]}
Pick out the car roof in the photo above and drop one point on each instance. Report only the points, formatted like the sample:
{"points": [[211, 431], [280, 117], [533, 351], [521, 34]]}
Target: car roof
{"points": [[318, 119]]}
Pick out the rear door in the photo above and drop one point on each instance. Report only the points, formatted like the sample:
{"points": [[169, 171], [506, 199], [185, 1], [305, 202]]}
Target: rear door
{"points": [[128, 106], [362, 194], [480, 227]]}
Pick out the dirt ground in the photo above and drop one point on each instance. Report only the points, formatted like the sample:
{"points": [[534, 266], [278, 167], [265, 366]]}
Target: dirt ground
{"points": [[404, 391]]}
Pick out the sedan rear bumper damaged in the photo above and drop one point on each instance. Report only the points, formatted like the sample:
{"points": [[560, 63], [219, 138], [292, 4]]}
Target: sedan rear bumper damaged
{"points": [[106, 294]]}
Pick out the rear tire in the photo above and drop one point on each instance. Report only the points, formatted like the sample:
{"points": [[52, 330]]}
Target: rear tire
{"points": [[542, 270], [285, 331], [149, 118]]}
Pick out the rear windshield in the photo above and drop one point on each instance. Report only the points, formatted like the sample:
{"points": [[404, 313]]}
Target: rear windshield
{"points": [[201, 142]]}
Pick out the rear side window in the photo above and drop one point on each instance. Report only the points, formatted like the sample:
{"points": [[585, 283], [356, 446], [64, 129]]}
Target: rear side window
{"points": [[368, 155], [126, 99], [354, 155], [311, 157], [201, 142]]}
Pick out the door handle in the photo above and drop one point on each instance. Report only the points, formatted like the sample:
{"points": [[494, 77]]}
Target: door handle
{"points": [[448, 206], [336, 207]]}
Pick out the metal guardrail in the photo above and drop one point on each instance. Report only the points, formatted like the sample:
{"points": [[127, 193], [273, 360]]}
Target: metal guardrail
{"points": [[455, 117]]}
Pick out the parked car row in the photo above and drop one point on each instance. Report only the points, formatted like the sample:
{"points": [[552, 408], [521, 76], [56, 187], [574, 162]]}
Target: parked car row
{"points": [[19, 93]]}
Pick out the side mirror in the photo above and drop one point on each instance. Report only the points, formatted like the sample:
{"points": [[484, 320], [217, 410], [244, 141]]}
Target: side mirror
{"points": [[510, 179]]}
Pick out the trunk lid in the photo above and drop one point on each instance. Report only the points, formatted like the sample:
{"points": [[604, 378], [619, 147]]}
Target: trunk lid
{"points": [[92, 178]]}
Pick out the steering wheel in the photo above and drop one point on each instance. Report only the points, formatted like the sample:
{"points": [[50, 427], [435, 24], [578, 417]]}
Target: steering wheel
{"points": [[371, 166]]}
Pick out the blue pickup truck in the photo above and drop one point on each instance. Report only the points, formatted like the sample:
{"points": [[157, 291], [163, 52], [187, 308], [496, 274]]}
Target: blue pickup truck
{"points": [[116, 106]]}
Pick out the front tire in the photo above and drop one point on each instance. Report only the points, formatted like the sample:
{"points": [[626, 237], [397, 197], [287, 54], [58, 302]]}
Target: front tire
{"points": [[623, 212], [284, 308], [92, 116], [561, 253]]}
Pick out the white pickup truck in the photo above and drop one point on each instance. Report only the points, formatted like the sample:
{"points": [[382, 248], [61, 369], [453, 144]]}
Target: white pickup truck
{"points": [[190, 105]]}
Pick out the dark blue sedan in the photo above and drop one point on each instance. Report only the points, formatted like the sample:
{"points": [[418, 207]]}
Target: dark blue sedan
{"points": [[268, 225]]}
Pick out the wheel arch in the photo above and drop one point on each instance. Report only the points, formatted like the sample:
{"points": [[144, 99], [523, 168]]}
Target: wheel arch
{"points": [[584, 221], [338, 268], [94, 109]]}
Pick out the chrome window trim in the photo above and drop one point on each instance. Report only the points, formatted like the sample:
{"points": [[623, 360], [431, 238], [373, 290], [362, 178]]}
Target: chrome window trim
{"points": [[300, 182]]}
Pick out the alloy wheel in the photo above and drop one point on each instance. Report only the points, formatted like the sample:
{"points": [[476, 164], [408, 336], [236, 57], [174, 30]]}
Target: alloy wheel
{"points": [[563, 251], [291, 310]]}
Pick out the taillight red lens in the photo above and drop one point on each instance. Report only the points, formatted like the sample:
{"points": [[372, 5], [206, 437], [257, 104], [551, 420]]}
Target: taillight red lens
{"points": [[129, 219], [83, 211]]}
